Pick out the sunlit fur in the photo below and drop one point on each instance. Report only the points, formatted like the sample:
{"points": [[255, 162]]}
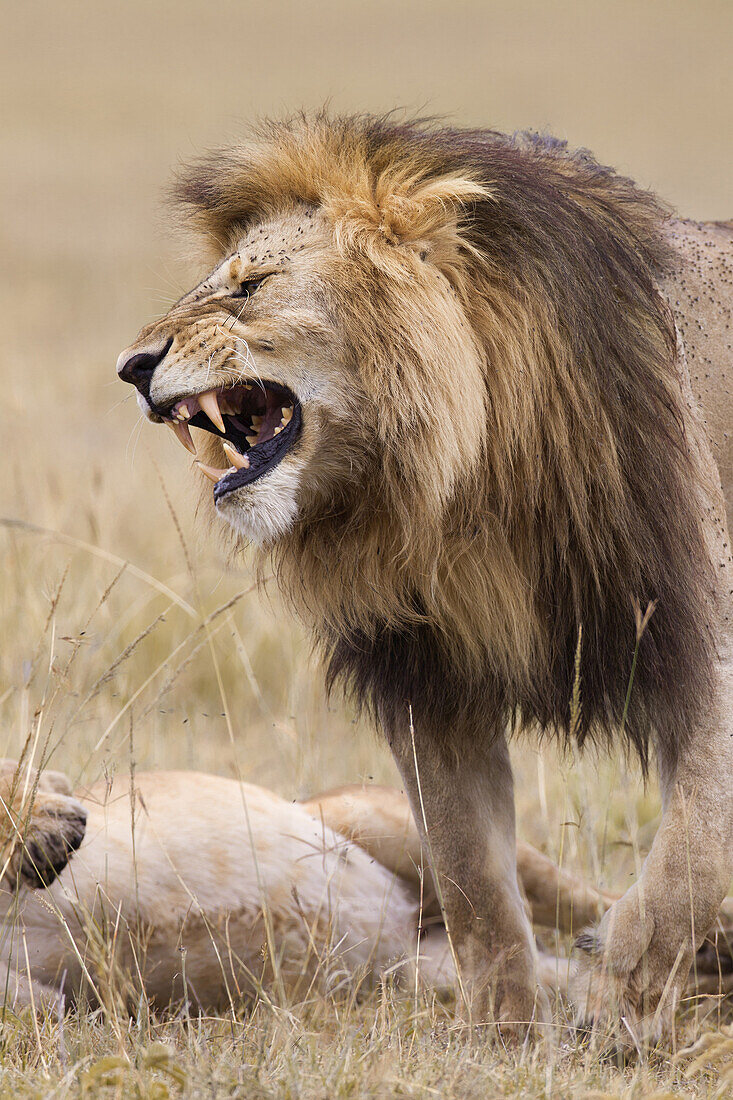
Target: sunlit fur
{"points": [[511, 478]]}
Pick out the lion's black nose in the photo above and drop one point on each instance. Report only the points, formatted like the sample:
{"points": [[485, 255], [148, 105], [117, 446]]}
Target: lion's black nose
{"points": [[138, 368]]}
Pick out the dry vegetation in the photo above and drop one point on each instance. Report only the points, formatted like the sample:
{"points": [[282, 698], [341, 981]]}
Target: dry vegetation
{"points": [[127, 640]]}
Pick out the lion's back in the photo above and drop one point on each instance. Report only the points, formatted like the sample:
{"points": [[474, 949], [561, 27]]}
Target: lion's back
{"points": [[701, 294]]}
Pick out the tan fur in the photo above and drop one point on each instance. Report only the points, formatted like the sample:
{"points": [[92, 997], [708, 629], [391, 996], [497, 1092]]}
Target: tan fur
{"points": [[200, 888], [204, 889], [515, 381]]}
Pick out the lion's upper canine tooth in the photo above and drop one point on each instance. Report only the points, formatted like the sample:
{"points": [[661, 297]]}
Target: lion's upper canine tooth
{"points": [[183, 432], [211, 471], [241, 462], [210, 406], [287, 414]]}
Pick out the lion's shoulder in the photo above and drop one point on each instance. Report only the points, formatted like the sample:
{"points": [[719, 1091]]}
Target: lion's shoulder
{"points": [[700, 291]]}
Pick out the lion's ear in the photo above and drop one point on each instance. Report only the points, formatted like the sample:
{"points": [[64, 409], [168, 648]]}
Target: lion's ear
{"points": [[416, 212], [396, 209]]}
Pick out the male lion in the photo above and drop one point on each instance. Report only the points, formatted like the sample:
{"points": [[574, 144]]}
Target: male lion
{"points": [[472, 390]]}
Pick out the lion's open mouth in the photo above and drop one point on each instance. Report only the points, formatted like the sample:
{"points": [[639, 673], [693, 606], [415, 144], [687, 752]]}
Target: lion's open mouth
{"points": [[258, 421]]}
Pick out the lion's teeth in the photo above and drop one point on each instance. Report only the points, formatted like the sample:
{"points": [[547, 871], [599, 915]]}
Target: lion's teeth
{"points": [[252, 440], [278, 430], [210, 406], [287, 414], [183, 432], [211, 471], [184, 413], [256, 421], [240, 462]]}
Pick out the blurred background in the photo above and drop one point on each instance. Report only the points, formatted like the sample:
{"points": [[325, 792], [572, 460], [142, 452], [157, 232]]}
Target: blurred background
{"points": [[119, 643]]}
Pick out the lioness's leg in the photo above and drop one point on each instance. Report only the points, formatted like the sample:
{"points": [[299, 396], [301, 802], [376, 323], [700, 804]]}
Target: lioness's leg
{"points": [[468, 825], [379, 820], [638, 959], [557, 898]]}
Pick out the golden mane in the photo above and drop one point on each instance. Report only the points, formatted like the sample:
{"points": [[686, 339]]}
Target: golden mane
{"points": [[525, 483]]}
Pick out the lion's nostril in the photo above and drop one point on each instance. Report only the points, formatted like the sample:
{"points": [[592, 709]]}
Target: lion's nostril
{"points": [[138, 368]]}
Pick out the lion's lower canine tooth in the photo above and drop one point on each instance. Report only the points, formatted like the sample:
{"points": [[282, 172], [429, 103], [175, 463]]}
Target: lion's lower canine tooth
{"points": [[183, 432], [210, 406], [211, 472], [240, 461]]}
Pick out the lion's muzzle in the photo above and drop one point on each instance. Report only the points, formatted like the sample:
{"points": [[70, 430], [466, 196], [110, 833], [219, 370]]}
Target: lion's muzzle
{"points": [[257, 421], [137, 367]]}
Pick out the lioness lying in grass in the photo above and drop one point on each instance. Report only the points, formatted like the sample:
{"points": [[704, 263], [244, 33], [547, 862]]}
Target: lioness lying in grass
{"points": [[205, 890]]}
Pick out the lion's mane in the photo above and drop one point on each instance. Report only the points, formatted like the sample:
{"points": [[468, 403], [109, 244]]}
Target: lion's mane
{"points": [[488, 566]]}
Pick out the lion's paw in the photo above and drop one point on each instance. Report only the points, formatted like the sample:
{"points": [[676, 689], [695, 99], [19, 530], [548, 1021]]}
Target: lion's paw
{"points": [[55, 831], [627, 998], [40, 827]]}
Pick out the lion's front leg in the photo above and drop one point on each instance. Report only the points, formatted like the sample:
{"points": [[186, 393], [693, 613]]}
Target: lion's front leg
{"points": [[635, 964], [464, 806]]}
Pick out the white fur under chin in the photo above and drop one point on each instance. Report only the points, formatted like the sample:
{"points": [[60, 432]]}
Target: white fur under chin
{"points": [[266, 510]]}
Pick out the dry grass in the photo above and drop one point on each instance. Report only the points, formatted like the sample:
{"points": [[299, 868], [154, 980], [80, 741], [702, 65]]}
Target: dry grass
{"points": [[115, 613]]}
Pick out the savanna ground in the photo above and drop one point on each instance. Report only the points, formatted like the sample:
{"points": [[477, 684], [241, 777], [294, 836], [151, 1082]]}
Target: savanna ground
{"points": [[127, 640]]}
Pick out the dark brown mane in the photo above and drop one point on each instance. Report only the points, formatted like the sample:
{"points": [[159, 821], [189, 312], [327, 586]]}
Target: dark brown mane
{"points": [[470, 600]]}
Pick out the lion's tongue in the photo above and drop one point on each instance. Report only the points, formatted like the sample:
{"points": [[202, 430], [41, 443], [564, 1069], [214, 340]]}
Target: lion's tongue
{"points": [[270, 423]]}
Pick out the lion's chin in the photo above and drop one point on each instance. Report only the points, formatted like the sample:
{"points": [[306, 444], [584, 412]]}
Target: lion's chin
{"points": [[264, 511]]}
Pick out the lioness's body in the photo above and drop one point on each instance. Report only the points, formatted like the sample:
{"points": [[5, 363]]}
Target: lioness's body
{"points": [[497, 474], [209, 882], [203, 888]]}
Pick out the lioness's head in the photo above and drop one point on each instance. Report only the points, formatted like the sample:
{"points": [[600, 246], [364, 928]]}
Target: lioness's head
{"points": [[328, 351]]}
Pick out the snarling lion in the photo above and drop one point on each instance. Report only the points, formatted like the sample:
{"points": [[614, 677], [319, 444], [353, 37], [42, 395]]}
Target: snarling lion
{"points": [[473, 394]]}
